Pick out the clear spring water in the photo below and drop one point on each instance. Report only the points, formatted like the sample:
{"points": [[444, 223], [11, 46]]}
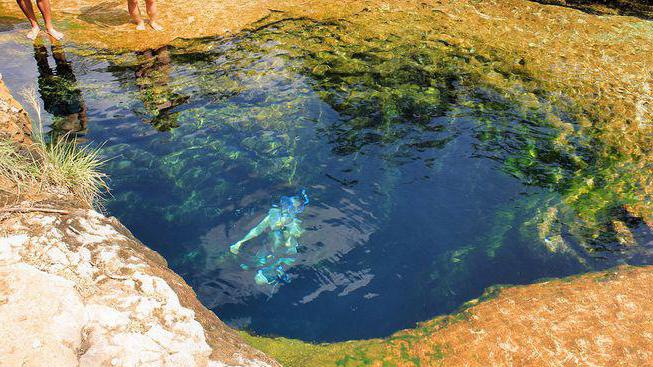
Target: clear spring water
{"points": [[427, 182]]}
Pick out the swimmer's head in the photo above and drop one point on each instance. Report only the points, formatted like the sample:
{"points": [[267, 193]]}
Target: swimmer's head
{"points": [[294, 204]]}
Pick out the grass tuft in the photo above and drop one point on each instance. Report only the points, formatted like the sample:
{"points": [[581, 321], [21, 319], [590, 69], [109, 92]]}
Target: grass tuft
{"points": [[77, 168], [52, 166], [32, 99], [16, 169]]}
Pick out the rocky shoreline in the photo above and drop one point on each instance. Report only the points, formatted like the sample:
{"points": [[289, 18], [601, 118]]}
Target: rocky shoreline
{"points": [[76, 288], [79, 289]]}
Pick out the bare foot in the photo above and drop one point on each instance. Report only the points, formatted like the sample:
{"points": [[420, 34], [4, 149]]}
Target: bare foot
{"points": [[140, 26], [33, 33], [156, 26], [55, 34]]}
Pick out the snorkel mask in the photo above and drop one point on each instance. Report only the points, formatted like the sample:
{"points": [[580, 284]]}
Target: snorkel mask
{"points": [[294, 205]]}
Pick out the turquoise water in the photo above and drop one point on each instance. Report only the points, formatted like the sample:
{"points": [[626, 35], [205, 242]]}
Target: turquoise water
{"points": [[428, 183]]}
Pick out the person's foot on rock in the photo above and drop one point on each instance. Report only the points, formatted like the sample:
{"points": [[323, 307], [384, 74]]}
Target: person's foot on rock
{"points": [[55, 34], [33, 33], [156, 26], [140, 26]]}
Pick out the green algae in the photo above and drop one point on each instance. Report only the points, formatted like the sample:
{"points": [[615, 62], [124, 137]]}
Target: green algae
{"points": [[398, 349], [363, 78], [389, 89], [295, 353], [389, 84], [377, 352]]}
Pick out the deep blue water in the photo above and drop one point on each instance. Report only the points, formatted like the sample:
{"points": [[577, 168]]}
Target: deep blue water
{"points": [[420, 197]]}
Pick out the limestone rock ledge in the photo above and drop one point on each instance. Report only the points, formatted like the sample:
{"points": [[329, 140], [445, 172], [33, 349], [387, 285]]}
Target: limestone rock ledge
{"points": [[77, 289], [14, 121]]}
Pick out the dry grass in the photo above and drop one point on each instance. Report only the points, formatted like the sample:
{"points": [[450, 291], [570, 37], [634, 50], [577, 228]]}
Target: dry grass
{"points": [[53, 166], [29, 94], [16, 169], [50, 166], [75, 167]]}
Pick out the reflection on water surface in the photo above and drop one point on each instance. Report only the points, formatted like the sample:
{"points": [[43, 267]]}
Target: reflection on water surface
{"points": [[433, 171]]}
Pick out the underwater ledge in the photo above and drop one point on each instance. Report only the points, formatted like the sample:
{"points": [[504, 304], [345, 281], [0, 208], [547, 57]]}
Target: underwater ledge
{"points": [[112, 300]]}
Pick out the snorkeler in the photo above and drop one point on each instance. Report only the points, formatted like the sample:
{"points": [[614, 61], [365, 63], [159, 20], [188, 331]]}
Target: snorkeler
{"points": [[284, 230]]}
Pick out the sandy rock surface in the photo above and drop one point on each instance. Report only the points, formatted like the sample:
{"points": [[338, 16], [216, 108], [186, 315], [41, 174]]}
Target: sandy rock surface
{"points": [[13, 118], [51, 333], [78, 289], [106, 24]]}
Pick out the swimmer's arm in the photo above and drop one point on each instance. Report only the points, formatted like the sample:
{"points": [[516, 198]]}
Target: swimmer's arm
{"points": [[253, 233]]}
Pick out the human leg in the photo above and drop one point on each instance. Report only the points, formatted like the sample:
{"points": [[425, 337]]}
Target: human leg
{"points": [[44, 7], [28, 10], [153, 13], [135, 14]]}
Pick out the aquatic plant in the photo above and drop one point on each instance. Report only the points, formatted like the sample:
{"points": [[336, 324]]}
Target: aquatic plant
{"points": [[392, 92]]}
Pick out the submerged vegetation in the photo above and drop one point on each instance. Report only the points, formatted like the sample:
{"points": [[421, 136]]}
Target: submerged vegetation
{"points": [[389, 82], [210, 128], [274, 107], [389, 88]]}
